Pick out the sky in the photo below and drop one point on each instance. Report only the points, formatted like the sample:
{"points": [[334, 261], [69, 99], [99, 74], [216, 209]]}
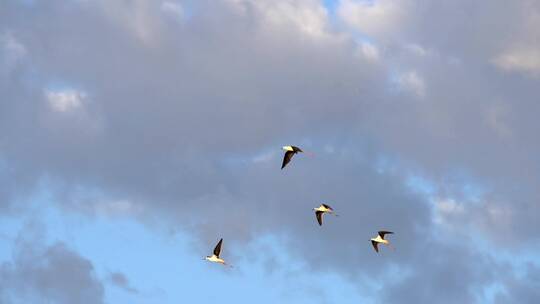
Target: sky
{"points": [[136, 134]]}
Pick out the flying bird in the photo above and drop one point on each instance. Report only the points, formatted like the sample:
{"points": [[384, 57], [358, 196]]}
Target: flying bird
{"points": [[380, 239], [215, 257], [290, 151], [322, 209]]}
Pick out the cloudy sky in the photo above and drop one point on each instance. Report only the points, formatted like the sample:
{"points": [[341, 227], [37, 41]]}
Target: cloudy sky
{"points": [[134, 134]]}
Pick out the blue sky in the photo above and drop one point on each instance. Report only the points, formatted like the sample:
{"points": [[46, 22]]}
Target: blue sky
{"points": [[176, 272], [136, 134]]}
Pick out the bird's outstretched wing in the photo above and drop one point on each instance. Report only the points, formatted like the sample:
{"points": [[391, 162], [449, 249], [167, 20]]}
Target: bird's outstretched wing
{"points": [[287, 158], [375, 246], [217, 250], [383, 233], [327, 207], [319, 215]]}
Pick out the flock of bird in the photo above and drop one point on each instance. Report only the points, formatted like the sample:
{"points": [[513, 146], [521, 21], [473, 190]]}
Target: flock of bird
{"points": [[290, 151]]}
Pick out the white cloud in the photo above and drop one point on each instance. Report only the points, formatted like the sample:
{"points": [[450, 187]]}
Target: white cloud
{"points": [[173, 8], [11, 49], [416, 49], [446, 210], [139, 17], [117, 208], [309, 17], [524, 59], [449, 206], [376, 17], [413, 83], [65, 100], [369, 51], [523, 51]]}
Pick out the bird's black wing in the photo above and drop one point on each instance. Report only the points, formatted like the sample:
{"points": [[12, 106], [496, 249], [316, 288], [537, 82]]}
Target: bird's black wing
{"points": [[327, 207], [319, 215], [375, 246], [287, 158], [217, 250], [296, 149], [383, 233]]}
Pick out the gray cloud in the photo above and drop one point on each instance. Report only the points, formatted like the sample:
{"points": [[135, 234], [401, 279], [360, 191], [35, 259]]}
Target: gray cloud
{"points": [[445, 274], [47, 274], [521, 288], [171, 117], [119, 280]]}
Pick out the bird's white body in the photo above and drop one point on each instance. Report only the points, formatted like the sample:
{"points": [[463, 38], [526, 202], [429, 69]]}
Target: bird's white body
{"points": [[213, 258], [288, 148], [322, 208], [380, 240]]}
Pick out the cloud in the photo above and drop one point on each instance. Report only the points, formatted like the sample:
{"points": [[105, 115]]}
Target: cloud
{"points": [[374, 18], [11, 50], [119, 280], [186, 115], [417, 49], [41, 273], [412, 82], [521, 288], [520, 60], [65, 100], [307, 17], [520, 53], [462, 282], [369, 51], [173, 8]]}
